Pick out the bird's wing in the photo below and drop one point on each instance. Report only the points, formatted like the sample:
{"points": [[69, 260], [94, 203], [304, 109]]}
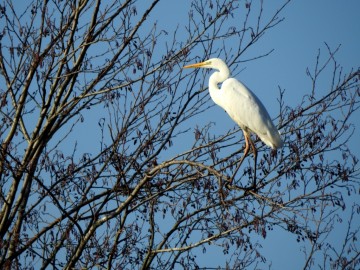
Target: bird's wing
{"points": [[245, 108]]}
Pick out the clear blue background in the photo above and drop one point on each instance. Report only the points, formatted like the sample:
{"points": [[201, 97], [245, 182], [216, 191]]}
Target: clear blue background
{"points": [[296, 41], [307, 25]]}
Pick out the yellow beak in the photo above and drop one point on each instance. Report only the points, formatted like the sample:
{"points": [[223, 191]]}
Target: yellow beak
{"points": [[198, 65]]}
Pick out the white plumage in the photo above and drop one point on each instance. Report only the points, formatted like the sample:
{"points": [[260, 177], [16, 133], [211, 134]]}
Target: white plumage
{"points": [[247, 111], [242, 105]]}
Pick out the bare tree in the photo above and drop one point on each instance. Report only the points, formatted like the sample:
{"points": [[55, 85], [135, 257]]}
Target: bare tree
{"points": [[94, 171]]}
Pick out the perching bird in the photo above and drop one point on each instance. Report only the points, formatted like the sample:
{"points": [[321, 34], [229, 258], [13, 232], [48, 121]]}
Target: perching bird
{"points": [[243, 106]]}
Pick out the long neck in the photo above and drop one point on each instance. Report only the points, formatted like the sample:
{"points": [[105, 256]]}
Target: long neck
{"points": [[216, 78]]}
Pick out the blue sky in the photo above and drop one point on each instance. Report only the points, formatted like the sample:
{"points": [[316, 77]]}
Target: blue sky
{"points": [[296, 41], [307, 26]]}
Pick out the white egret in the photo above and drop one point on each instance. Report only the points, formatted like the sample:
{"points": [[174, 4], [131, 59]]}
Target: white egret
{"points": [[243, 106]]}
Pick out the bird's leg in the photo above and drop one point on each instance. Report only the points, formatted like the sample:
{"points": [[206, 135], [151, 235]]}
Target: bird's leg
{"points": [[255, 161], [246, 151]]}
